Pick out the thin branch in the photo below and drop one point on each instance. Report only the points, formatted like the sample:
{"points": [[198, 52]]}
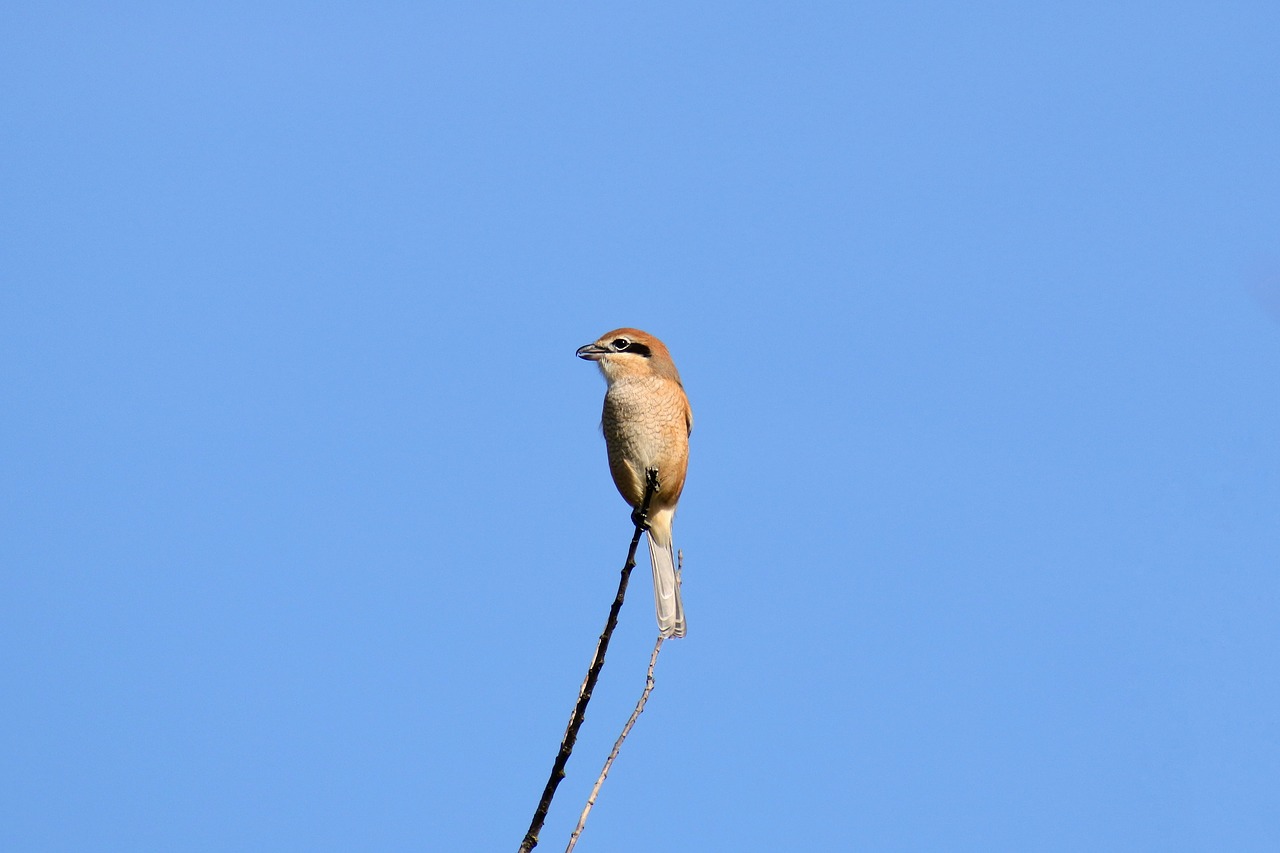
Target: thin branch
{"points": [[641, 519], [617, 747]]}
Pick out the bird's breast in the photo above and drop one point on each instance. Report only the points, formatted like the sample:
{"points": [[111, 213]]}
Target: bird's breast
{"points": [[645, 427]]}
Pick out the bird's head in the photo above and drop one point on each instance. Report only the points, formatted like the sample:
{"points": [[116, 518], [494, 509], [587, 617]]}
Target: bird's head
{"points": [[629, 353]]}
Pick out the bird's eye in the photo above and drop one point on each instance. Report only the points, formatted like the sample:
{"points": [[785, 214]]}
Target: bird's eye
{"points": [[621, 343]]}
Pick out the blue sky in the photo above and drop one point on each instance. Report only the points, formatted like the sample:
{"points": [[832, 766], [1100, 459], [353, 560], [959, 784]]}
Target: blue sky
{"points": [[308, 530]]}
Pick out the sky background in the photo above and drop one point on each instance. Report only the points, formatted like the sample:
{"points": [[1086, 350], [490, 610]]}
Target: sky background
{"points": [[307, 529]]}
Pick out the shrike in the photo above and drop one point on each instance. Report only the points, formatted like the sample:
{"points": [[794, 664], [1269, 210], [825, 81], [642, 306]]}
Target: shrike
{"points": [[647, 421]]}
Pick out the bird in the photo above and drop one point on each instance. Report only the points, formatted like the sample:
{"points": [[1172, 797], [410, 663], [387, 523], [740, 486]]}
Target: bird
{"points": [[646, 424]]}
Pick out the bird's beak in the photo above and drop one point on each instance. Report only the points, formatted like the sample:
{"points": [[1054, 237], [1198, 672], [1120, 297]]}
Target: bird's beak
{"points": [[592, 352]]}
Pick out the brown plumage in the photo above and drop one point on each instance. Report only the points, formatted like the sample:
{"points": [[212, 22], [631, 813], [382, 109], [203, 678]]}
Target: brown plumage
{"points": [[646, 422]]}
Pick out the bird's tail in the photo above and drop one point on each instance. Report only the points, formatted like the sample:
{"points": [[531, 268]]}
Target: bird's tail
{"points": [[666, 586]]}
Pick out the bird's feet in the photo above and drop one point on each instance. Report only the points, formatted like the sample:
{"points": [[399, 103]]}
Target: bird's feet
{"points": [[640, 517]]}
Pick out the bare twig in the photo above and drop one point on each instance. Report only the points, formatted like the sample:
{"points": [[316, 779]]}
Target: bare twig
{"points": [[617, 747], [641, 519]]}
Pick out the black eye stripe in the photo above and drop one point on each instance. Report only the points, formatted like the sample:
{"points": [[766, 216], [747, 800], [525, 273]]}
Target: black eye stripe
{"points": [[634, 347]]}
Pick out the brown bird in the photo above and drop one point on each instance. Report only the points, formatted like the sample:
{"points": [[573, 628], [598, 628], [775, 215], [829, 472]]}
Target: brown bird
{"points": [[647, 421]]}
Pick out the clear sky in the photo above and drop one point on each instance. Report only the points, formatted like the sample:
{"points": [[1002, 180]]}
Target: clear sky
{"points": [[307, 528]]}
